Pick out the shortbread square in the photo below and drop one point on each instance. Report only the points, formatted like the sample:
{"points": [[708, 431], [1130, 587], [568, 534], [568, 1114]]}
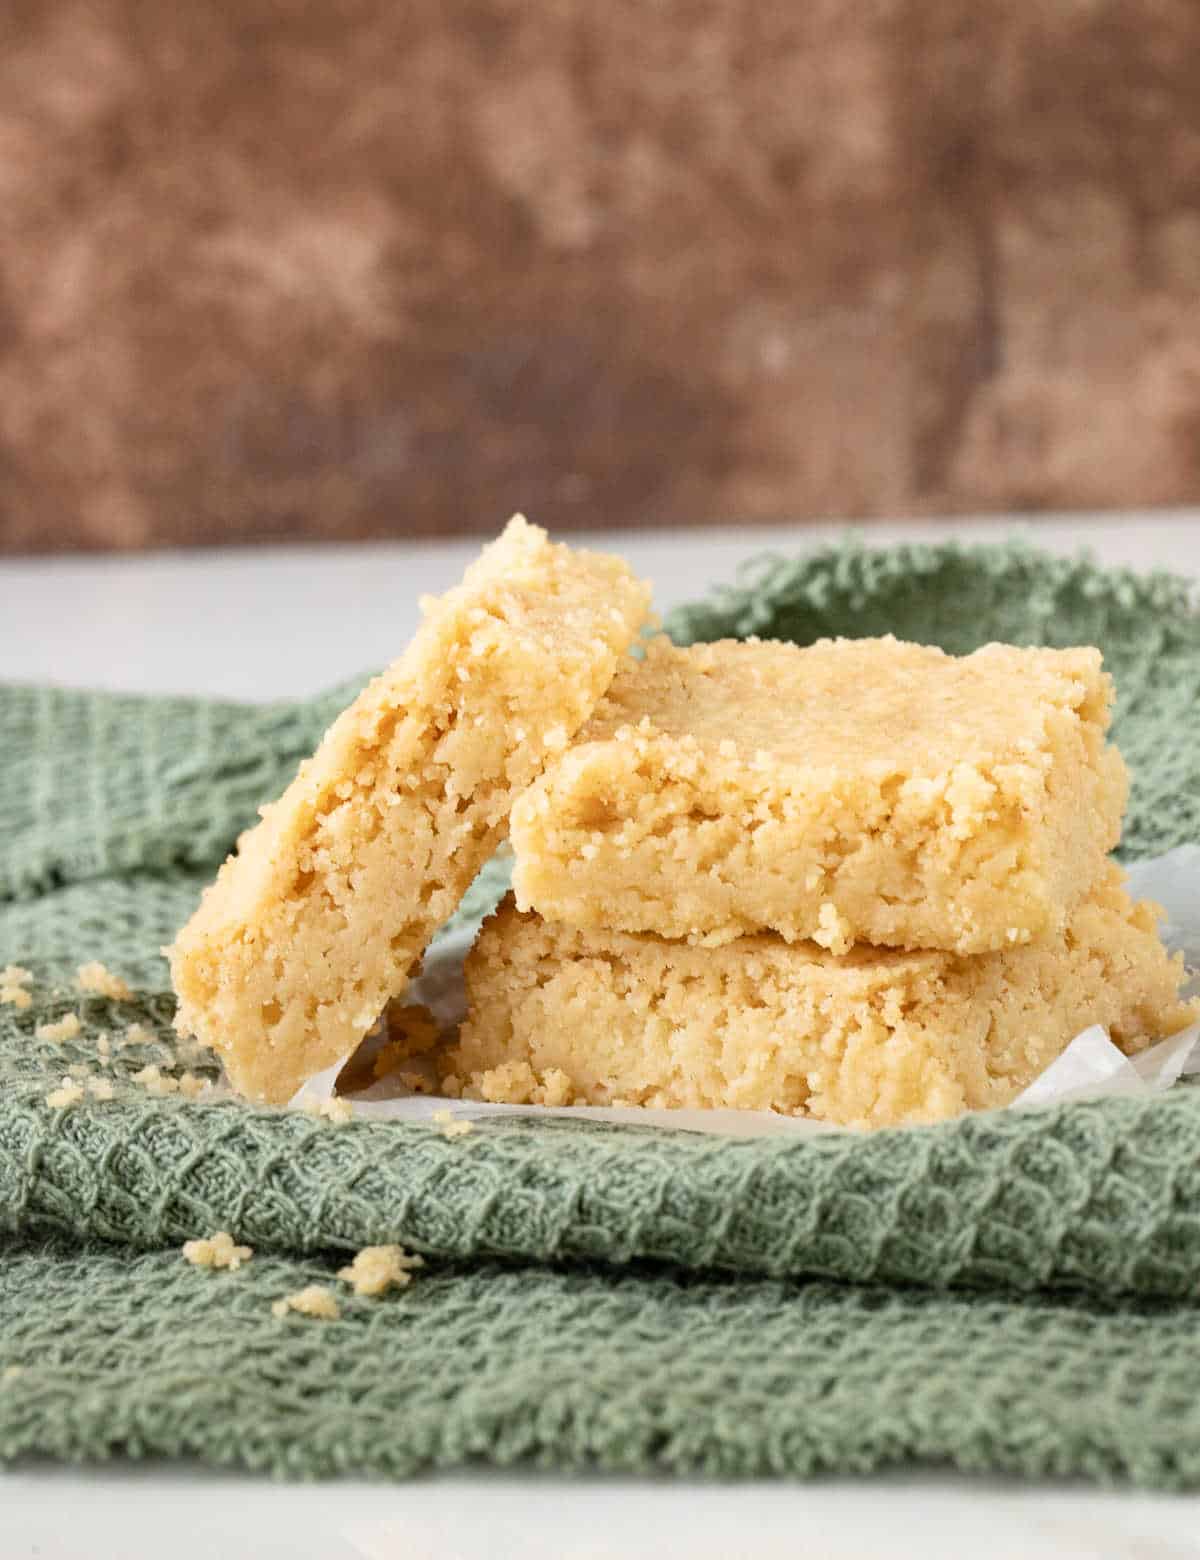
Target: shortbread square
{"points": [[870, 1038], [852, 791], [328, 903]]}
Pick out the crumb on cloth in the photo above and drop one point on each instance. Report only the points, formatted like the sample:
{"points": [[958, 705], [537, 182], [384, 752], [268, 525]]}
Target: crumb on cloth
{"points": [[335, 1110], [156, 1082], [315, 1301], [98, 978], [66, 1028], [13, 980], [450, 1128], [376, 1269], [192, 1086], [68, 1093], [217, 1251]]}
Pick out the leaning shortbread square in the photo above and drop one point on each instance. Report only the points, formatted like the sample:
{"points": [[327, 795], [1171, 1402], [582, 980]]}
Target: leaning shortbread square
{"points": [[317, 920]]}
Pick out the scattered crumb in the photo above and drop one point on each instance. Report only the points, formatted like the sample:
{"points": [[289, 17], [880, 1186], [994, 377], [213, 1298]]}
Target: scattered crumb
{"points": [[68, 1093], [313, 1301], [100, 1088], [15, 975], [138, 1034], [67, 1027], [218, 1251], [80, 1071], [336, 1110], [99, 978], [156, 1082], [376, 1269], [103, 1046], [11, 1372], [450, 1127], [192, 1086], [15, 996]]}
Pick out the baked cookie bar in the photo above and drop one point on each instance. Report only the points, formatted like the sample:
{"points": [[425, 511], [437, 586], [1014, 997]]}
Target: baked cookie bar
{"points": [[316, 921], [861, 790], [560, 1015]]}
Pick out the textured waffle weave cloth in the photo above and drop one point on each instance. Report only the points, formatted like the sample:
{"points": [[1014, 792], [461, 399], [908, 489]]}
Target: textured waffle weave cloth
{"points": [[1012, 1291]]}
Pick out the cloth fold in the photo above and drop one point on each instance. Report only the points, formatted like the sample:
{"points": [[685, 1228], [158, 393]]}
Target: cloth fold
{"points": [[1013, 1291]]}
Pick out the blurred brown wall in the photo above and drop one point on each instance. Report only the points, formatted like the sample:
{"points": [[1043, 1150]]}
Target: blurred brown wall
{"points": [[381, 266]]}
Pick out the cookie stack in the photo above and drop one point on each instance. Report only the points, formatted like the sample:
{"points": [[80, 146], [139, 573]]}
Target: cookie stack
{"points": [[863, 880]]}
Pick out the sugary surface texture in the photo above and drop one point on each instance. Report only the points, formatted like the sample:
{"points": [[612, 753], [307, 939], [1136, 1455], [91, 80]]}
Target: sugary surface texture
{"points": [[851, 791], [624, 1256], [317, 920], [868, 1039]]}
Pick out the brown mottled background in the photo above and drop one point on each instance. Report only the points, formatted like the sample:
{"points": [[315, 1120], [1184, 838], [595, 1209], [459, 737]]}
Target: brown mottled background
{"points": [[368, 267]]}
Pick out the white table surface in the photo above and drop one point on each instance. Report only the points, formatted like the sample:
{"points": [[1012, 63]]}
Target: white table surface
{"points": [[291, 620]]}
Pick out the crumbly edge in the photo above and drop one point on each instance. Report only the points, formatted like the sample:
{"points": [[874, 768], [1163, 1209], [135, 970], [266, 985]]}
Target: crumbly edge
{"points": [[891, 1038]]}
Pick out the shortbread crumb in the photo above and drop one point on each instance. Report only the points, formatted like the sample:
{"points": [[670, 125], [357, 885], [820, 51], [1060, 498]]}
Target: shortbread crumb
{"points": [[15, 975], [104, 1047], [67, 1027], [156, 1082], [376, 1269], [315, 1301], [314, 925], [98, 978], [100, 1088], [450, 1127], [138, 1034], [218, 1251], [15, 996], [11, 1372], [335, 1110], [192, 1087], [68, 1093]]}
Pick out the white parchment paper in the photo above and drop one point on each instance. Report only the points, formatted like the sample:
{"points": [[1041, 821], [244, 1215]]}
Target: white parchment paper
{"points": [[1090, 1067]]}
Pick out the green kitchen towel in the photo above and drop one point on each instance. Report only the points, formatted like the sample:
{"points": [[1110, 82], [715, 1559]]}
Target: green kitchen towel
{"points": [[1014, 1291]]}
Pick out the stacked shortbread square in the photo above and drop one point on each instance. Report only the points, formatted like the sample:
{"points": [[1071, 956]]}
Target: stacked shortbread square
{"points": [[863, 880]]}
